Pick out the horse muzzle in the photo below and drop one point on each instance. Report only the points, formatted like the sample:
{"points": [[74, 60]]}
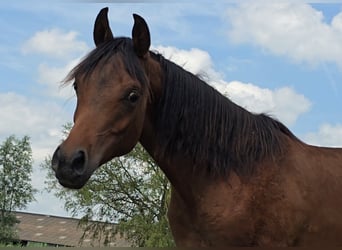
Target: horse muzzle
{"points": [[71, 171]]}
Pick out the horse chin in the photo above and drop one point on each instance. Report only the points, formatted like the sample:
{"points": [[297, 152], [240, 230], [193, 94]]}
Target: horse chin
{"points": [[71, 185], [76, 182]]}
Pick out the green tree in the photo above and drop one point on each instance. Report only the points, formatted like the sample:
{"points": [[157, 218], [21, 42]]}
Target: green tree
{"points": [[16, 190], [131, 191]]}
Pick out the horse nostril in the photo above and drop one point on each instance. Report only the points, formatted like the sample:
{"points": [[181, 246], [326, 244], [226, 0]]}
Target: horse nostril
{"points": [[78, 162], [55, 159]]}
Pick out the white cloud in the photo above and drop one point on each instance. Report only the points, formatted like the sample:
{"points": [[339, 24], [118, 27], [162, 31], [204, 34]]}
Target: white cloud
{"points": [[52, 77], [327, 135], [194, 60], [66, 51], [283, 104], [287, 28], [40, 120], [55, 43]]}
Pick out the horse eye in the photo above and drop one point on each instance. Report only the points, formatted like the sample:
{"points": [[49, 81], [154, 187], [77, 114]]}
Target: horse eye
{"points": [[133, 97]]}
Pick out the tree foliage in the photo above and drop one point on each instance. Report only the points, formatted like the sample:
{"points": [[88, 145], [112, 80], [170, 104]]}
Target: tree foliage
{"points": [[131, 191], [16, 190]]}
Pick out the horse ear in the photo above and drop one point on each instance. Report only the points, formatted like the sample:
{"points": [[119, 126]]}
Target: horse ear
{"points": [[102, 32], [141, 36]]}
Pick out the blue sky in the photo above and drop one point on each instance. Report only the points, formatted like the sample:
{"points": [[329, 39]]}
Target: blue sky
{"points": [[281, 58]]}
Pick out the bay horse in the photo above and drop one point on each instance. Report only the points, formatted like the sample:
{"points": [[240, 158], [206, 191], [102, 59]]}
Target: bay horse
{"points": [[238, 178]]}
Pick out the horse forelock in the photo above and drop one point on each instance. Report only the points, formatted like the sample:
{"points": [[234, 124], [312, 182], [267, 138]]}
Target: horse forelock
{"points": [[122, 47]]}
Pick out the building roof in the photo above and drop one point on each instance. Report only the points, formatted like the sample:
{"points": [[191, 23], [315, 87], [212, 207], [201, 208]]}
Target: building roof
{"points": [[58, 231]]}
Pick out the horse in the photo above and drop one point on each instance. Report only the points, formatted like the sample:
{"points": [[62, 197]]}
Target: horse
{"points": [[238, 178]]}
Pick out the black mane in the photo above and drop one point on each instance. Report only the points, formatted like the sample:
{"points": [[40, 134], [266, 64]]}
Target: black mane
{"points": [[195, 119]]}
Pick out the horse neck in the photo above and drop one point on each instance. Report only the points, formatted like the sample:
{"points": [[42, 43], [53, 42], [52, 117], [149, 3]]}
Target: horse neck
{"points": [[183, 180], [175, 168]]}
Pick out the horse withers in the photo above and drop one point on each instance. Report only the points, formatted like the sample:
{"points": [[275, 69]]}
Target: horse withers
{"points": [[238, 179]]}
